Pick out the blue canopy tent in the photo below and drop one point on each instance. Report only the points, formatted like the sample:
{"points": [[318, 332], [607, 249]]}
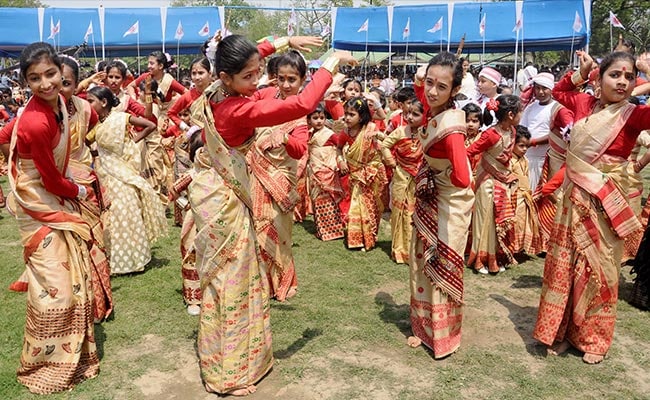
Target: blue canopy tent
{"points": [[157, 28], [547, 25]]}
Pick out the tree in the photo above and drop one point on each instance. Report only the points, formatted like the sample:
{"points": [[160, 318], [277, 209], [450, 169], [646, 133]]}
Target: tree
{"points": [[21, 3], [634, 15]]}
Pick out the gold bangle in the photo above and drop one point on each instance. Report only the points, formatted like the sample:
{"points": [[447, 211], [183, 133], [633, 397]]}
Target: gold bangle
{"points": [[148, 99], [577, 79], [331, 64], [281, 44]]}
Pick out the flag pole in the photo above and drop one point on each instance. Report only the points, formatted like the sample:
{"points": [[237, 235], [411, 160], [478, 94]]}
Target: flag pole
{"points": [[365, 64], [178, 58], [573, 35], [441, 40], [138, 47], [94, 48], [516, 87], [611, 41], [406, 54]]}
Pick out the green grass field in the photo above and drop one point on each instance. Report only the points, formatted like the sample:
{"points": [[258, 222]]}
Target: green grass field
{"points": [[342, 337]]}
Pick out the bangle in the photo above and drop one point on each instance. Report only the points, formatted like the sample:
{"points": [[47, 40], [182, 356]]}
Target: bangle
{"points": [[148, 99], [331, 64], [281, 44], [577, 79], [285, 140]]}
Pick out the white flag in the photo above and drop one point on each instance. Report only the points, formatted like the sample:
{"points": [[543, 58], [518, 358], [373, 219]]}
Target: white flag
{"points": [[133, 30], [577, 23], [436, 27], [364, 27], [407, 29], [519, 23], [613, 19], [54, 29], [481, 26], [89, 31], [291, 23], [179, 31], [205, 31], [325, 32]]}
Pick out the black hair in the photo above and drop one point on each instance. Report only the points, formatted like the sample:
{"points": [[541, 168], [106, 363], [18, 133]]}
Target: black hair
{"points": [[272, 65], [319, 109], [163, 59], [196, 142], [473, 108], [415, 102], [116, 64], [360, 105], [104, 93], [36, 52], [629, 44], [351, 80], [233, 52], [609, 59], [521, 133], [293, 59], [74, 66], [203, 61], [404, 94], [101, 66], [507, 103], [154, 89], [446, 59]]}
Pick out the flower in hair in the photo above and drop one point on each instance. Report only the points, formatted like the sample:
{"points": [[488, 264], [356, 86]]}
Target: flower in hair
{"points": [[70, 58], [492, 105], [168, 57]]}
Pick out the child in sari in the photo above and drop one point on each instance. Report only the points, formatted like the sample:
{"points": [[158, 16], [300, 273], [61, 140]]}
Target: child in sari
{"points": [[493, 219], [367, 176], [404, 143]]}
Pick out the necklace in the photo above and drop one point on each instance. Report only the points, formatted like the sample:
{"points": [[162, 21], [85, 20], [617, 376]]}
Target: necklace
{"points": [[414, 143]]}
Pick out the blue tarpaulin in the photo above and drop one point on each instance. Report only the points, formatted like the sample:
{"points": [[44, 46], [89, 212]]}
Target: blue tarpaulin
{"points": [[22, 26], [546, 25]]}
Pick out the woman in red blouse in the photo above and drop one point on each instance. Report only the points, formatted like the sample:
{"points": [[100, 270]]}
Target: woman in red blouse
{"points": [[59, 348], [580, 288], [443, 208], [234, 341]]}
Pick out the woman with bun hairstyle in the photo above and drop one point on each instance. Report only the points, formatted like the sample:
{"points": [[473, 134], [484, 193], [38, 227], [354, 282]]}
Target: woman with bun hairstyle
{"points": [[59, 349], [493, 220], [234, 340], [136, 217]]}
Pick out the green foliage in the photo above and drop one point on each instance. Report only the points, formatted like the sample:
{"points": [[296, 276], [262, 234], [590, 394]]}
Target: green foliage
{"points": [[634, 15], [21, 3]]}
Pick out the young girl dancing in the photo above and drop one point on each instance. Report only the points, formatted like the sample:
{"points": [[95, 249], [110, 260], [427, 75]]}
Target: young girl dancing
{"points": [[443, 207], [405, 144], [494, 213]]}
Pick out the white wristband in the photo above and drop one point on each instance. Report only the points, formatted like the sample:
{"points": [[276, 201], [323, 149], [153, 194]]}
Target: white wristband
{"points": [[82, 192], [183, 126]]}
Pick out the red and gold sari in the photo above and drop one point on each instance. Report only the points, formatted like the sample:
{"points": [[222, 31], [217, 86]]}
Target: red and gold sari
{"points": [[59, 348], [580, 288], [325, 188], [441, 221], [274, 195], [367, 181], [408, 155], [526, 226]]}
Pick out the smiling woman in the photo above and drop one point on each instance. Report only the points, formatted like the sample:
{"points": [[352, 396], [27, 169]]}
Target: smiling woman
{"points": [[59, 348]]}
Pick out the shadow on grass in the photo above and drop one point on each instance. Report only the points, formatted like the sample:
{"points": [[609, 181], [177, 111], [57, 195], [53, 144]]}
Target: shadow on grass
{"points": [[527, 282], [308, 335], [393, 313], [523, 319], [100, 338], [309, 226], [386, 247], [156, 263], [625, 287]]}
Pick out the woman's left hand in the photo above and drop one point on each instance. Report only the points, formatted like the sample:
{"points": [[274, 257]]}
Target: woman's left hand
{"points": [[301, 42]]}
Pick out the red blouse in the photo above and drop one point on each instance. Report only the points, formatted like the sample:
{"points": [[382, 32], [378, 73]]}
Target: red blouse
{"points": [[174, 87], [182, 103], [237, 117], [37, 135], [582, 105], [452, 147], [488, 138], [335, 109]]}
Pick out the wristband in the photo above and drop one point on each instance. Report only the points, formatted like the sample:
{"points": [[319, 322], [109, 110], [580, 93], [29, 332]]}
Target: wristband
{"points": [[82, 192], [183, 126], [331, 64], [148, 99], [285, 140], [577, 79], [281, 44]]}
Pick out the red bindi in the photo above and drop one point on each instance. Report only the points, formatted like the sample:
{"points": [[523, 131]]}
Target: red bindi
{"points": [[624, 68]]}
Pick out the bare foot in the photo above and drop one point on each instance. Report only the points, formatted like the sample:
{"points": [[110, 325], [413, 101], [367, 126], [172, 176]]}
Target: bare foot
{"points": [[292, 292], [239, 392], [559, 348], [252, 389], [414, 341], [591, 358]]}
